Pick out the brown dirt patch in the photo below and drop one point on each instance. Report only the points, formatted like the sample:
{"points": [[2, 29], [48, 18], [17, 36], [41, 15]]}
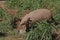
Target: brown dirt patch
{"points": [[13, 38], [9, 11]]}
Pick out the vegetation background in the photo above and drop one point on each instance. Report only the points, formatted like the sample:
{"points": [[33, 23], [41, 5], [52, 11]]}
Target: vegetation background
{"points": [[42, 30]]}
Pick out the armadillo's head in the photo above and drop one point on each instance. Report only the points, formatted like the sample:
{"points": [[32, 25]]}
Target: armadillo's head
{"points": [[23, 26]]}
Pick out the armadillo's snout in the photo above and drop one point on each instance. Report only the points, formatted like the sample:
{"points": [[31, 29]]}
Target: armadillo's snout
{"points": [[22, 32], [22, 29]]}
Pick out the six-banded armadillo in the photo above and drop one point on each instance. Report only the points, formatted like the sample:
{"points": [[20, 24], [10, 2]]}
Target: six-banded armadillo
{"points": [[34, 16]]}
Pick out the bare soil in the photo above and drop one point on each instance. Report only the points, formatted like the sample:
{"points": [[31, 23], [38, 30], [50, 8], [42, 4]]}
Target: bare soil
{"points": [[13, 38]]}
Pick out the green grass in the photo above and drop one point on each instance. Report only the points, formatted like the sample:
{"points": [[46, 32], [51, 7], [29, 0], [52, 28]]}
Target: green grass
{"points": [[43, 29]]}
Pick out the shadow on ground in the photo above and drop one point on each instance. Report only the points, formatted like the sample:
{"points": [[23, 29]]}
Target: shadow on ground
{"points": [[3, 34]]}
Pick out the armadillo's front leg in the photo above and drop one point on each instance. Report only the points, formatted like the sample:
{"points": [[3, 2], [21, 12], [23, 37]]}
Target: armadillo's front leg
{"points": [[28, 25]]}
